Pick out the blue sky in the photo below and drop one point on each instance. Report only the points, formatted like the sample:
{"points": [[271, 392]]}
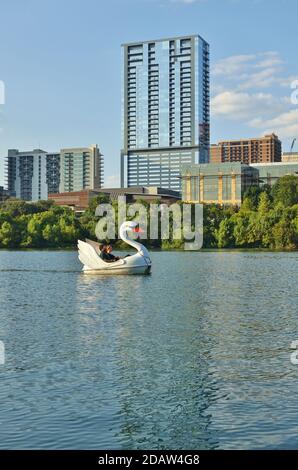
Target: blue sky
{"points": [[60, 62]]}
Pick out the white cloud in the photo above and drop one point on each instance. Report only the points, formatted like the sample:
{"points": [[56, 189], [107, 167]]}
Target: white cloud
{"points": [[284, 119], [231, 66], [260, 70], [271, 59], [287, 81], [263, 79], [287, 132], [284, 124], [238, 93], [235, 105]]}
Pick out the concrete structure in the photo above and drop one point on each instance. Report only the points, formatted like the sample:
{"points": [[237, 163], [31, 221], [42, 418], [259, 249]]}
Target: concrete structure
{"points": [[269, 173], [149, 194], [3, 194], [223, 183], [290, 157], [53, 172], [265, 149], [30, 175], [36, 174], [80, 168], [79, 200], [165, 109]]}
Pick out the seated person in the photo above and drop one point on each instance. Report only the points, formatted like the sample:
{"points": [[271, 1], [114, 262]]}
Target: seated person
{"points": [[112, 257], [105, 253]]}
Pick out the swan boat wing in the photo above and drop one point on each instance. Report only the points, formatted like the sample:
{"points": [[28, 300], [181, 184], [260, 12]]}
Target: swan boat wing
{"points": [[89, 257]]}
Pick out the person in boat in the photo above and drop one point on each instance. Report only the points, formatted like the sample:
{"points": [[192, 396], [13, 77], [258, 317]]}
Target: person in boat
{"points": [[112, 257], [106, 253]]}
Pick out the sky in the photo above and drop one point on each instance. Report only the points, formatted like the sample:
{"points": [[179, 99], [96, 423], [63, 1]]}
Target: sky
{"points": [[60, 68]]}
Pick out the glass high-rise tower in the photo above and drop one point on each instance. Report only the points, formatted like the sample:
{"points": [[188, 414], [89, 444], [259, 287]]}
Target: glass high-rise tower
{"points": [[165, 110]]}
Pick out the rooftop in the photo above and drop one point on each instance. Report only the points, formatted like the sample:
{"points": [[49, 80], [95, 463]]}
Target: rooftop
{"points": [[246, 140], [163, 39]]}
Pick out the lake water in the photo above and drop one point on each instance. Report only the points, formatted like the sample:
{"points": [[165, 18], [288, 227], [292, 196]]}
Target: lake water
{"points": [[195, 356]]}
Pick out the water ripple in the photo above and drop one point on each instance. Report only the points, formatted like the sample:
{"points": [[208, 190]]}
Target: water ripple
{"points": [[195, 356]]}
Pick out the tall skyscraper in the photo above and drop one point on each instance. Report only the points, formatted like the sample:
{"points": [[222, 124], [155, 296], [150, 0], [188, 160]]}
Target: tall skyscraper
{"points": [[165, 110], [80, 168], [32, 175]]}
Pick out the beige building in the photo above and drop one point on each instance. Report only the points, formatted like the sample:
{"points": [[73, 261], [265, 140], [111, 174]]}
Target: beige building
{"points": [[265, 149], [290, 157], [80, 168], [222, 183]]}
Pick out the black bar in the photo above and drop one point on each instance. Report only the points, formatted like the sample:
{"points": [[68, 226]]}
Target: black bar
{"points": [[133, 459]]}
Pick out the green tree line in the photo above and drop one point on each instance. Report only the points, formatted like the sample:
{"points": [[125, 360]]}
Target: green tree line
{"points": [[268, 218]]}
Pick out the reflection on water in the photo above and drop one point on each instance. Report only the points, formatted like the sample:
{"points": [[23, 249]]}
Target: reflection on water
{"points": [[194, 356]]}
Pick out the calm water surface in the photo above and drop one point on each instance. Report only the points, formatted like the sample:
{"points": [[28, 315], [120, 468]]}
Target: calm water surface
{"points": [[197, 355]]}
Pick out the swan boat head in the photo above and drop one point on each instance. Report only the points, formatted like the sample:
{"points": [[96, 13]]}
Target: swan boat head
{"points": [[139, 263]]}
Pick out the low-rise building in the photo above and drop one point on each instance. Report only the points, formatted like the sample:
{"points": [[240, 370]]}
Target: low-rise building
{"points": [[223, 183], [79, 200], [147, 193], [269, 173], [3, 194], [290, 157]]}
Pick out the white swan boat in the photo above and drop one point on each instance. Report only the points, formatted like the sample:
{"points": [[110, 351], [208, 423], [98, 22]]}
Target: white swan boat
{"points": [[139, 263]]}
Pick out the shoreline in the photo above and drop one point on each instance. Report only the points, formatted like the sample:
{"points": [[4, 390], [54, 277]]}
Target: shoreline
{"points": [[159, 250]]}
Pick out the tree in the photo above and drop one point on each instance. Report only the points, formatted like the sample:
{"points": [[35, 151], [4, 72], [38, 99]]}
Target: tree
{"points": [[240, 232], [285, 191], [101, 198], [264, 205], [224, 235], [251, 197], [6, 234]]}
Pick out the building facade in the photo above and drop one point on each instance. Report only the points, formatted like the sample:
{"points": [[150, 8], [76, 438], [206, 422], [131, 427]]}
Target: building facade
{"points": [[80, 168], [165, 110], [34, 175], [3, 194], [290, 157], [31, 175], [265, 149], [223, 183], [53, 172], [269, 173], [79, 200]]}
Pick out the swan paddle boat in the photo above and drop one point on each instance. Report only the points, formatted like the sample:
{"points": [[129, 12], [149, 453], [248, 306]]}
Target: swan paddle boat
{"points": [[139, 263]]}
